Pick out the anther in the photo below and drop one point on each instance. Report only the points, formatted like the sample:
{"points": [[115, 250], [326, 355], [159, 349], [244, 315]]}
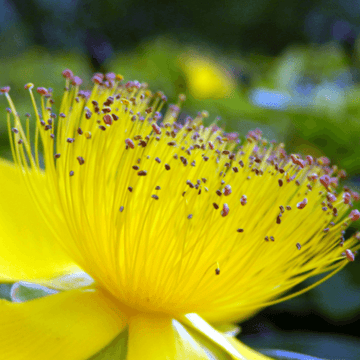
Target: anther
{"points": [[349, 255], [240, 230], [130, 143], [56, 156], [266, 238], [272, 238], [282, 210], [81, 160], [108, 120], [5, 89], [216, 206], [121, 209], [155, 197], [88, 135], [158, 188], [354, 215], [225, 210], [71, 173], [20, 141], [298, 246], [156, 128], [102, 127], [142, 173], [157, 160], [70, 140], [280, 182], [217, 271], [167, 166], [300, 205], [278, 219], [227, 190], [243, 200], [15, 131]]}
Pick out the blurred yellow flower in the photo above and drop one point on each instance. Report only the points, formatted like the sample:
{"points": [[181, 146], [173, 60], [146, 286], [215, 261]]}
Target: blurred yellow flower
{"points": [[176, 224], [207, 79]]}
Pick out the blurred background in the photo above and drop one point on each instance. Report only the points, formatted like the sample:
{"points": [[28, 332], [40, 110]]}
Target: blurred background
{"points": [[291, 68]]}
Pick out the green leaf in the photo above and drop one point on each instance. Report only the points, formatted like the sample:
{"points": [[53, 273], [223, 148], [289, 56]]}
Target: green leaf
{"points": [[117, 349]]}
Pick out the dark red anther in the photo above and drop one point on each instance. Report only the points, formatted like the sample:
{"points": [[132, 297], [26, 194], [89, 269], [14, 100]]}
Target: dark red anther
{"points": [[331, 197], [79, 131], [47, 127], [243, 200], [76, 81], [130, 143], [313, 177], [217, 271], [135, 167], [354, 215], [167, 166], [278, 220], [325, 180], [225, 210], [110, 76], [300, 205], [158, 188], [108, 120], [240, 230], [20, 141], [156, 128], [216, 206], [280, 182], [97, 79], [102, 127], [56, 156], [70, 140], [42, 91], [211, 145], [67, 74], [81, 160], [349, 255], [310, 159], [15, 130], [282, 210], [266, 238], [347, 198], [155, 197], [130, 188], [172, 143], [227, 190], [5, 89], [142, 173]]}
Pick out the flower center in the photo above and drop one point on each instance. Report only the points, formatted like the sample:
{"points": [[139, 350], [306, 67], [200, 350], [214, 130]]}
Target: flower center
{"points": [[179, 218]]}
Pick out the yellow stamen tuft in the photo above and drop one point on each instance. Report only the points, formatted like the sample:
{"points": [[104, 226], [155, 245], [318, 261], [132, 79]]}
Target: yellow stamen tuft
{"points": [[152, 209]]}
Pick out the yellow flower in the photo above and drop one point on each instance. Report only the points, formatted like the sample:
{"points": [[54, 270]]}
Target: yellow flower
{"points": [[177, 225], [206, 78]]}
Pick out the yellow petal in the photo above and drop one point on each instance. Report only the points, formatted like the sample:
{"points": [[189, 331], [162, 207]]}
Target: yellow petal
{"points": [[70, 325], [27, 247], [229, 344], [156, 337]]}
